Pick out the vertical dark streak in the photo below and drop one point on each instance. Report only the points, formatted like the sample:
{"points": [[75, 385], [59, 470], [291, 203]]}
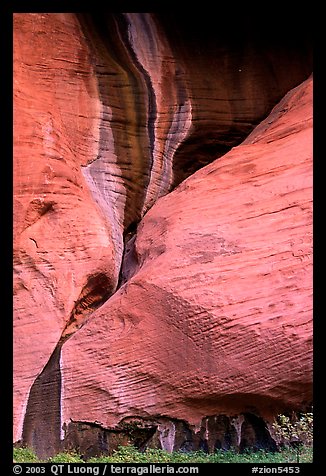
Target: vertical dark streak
{"points": [[152, 108], [126, 89], [42, 424]]}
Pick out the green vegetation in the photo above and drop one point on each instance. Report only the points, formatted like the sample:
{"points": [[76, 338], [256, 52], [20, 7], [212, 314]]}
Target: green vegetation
{"points": [[66, 458], [294, 432], [129, 454], [25, 455]]}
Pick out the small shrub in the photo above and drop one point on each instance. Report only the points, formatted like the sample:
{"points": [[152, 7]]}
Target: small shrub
{"points": [[295, 432]]}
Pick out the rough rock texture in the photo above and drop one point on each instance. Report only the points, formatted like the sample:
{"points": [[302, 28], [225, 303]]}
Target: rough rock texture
{"points": [[111, 112], [61, 239], [218, 317]]}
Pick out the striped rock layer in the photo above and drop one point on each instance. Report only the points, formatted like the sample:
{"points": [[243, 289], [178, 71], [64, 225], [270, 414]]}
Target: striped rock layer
{"points": [[147, 292]]}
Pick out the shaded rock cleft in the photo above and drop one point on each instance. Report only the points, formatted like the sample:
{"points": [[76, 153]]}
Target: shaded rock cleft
{"points": [[42, 424], [95, 292]]}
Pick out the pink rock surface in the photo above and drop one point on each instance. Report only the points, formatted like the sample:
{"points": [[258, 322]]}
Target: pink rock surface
{"points": [[111, 113], [218, 317], [60, 236]]}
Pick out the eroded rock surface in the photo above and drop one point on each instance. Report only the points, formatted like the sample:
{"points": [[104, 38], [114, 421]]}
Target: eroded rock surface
{"points": [[191, 306], [61, 238], [217, 319]]}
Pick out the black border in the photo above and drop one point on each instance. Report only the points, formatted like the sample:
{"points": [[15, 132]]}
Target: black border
{"points": [[6, 236]]}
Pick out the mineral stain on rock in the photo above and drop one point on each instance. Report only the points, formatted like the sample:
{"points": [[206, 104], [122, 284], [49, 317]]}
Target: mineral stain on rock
{"points": [[43, 427], [163, 235], [42, 424]]}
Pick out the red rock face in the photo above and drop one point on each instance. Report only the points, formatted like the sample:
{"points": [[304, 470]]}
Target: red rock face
{"points": [[191, 312], [61, 238], [217, 319]]}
